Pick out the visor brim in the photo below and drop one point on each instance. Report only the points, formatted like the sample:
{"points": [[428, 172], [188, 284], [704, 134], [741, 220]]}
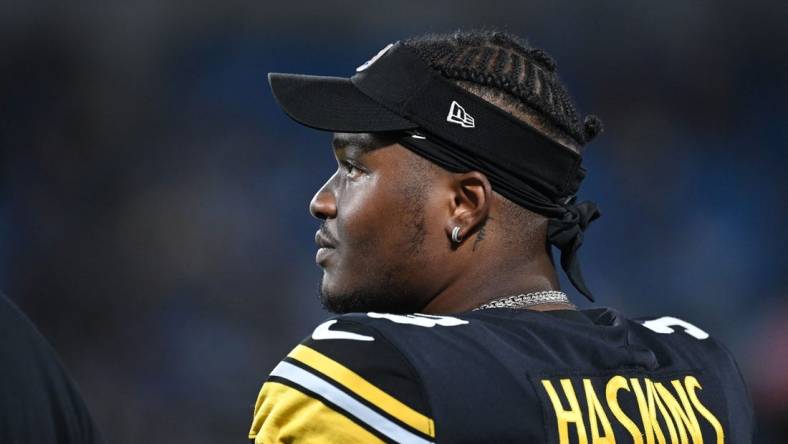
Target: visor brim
{"points": [[332, 104]]}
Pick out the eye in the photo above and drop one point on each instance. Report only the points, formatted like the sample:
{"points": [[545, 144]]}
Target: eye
{"points": [[351, 171]]}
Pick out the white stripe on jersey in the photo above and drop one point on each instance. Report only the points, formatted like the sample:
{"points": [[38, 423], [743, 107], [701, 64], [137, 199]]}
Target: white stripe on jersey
{"points": [[360, 411]]}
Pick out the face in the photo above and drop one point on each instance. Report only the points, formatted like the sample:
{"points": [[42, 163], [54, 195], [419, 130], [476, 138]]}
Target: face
{"points": [[374, 234]]}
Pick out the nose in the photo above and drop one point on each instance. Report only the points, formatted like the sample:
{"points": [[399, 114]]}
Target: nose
{"points": [[324, 205]]}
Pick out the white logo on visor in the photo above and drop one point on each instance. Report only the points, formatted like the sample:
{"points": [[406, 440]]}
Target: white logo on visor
{"points": [[369, 62], [458, 115]]}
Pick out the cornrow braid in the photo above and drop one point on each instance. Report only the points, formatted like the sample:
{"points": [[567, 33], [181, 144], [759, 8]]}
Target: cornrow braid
{"points": [[498, 62]]}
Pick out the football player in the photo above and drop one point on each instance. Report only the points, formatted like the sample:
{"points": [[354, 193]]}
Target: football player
{"points": [[459, 158]]}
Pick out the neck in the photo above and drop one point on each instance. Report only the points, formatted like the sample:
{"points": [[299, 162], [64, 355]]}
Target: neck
{"points": [[479, 283]]}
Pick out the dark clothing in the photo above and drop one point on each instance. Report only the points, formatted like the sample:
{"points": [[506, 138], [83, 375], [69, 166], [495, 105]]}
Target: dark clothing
{"points": [[39, 403], [510, 376]]}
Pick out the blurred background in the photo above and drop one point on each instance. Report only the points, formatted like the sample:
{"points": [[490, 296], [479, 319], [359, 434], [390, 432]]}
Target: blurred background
{"points": [[153, 198]]}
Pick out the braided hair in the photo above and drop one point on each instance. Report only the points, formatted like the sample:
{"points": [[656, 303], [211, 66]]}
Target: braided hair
{"points": [[504, 69]]}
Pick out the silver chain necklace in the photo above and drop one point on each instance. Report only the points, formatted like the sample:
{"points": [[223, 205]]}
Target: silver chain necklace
{"points": [[527, 300]]}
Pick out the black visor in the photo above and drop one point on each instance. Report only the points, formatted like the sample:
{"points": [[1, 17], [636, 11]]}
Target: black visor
{"points": [[332, 104], [396, 90]]}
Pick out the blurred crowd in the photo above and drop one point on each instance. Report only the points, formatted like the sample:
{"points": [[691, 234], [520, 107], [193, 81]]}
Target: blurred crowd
{"points": [[153, 197]]}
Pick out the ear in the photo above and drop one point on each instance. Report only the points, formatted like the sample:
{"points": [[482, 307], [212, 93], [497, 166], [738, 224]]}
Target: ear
{"points": [[471, 194]]}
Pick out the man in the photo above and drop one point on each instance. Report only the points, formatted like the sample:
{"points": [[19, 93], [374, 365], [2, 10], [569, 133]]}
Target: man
{"points": [[39, 403], [459, 159]]}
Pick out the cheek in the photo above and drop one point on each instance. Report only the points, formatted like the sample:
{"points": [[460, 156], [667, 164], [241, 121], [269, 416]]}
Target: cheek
{"points": [[361, 216], [371, 218]]}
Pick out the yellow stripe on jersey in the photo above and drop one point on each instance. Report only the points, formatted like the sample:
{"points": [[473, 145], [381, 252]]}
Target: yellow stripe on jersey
{"points": [[284, 414], [361, 387]]}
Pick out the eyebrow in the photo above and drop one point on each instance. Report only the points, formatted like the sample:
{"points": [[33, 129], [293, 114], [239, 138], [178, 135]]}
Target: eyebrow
{"points": [[340, 143], [350, 145]]}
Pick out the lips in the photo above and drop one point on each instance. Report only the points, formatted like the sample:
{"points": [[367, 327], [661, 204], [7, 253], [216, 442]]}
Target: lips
{"points": [[326, 244], [322, 240]]}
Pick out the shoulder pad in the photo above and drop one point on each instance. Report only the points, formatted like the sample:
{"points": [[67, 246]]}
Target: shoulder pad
{"points": [[350, 366]]}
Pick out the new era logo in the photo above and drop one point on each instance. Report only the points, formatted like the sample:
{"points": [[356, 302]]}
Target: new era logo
{"points": [[458, 115]]}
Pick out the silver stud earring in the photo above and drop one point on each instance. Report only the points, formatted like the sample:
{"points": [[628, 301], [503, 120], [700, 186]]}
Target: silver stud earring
{"points": [[455, 235]]}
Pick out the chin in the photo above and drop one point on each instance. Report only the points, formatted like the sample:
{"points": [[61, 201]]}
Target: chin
{"points": [[330, 298], [338, 299], [341, 302]]}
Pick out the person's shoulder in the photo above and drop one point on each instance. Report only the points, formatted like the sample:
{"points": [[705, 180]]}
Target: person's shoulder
{"points": [[679, 333], [690, 341], [684, 338], [36, 387], [348, 372]]}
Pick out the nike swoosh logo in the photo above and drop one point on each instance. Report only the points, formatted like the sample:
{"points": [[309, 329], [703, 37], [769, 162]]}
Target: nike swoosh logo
{"points": [[323, 332]]}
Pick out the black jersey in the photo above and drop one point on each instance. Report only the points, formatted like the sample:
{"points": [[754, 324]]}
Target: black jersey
{"points": [[38, 401], [504, 375]]}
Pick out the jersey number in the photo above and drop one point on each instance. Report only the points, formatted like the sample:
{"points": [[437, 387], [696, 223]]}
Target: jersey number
{"points": [[664, 324], [422, 320]]}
